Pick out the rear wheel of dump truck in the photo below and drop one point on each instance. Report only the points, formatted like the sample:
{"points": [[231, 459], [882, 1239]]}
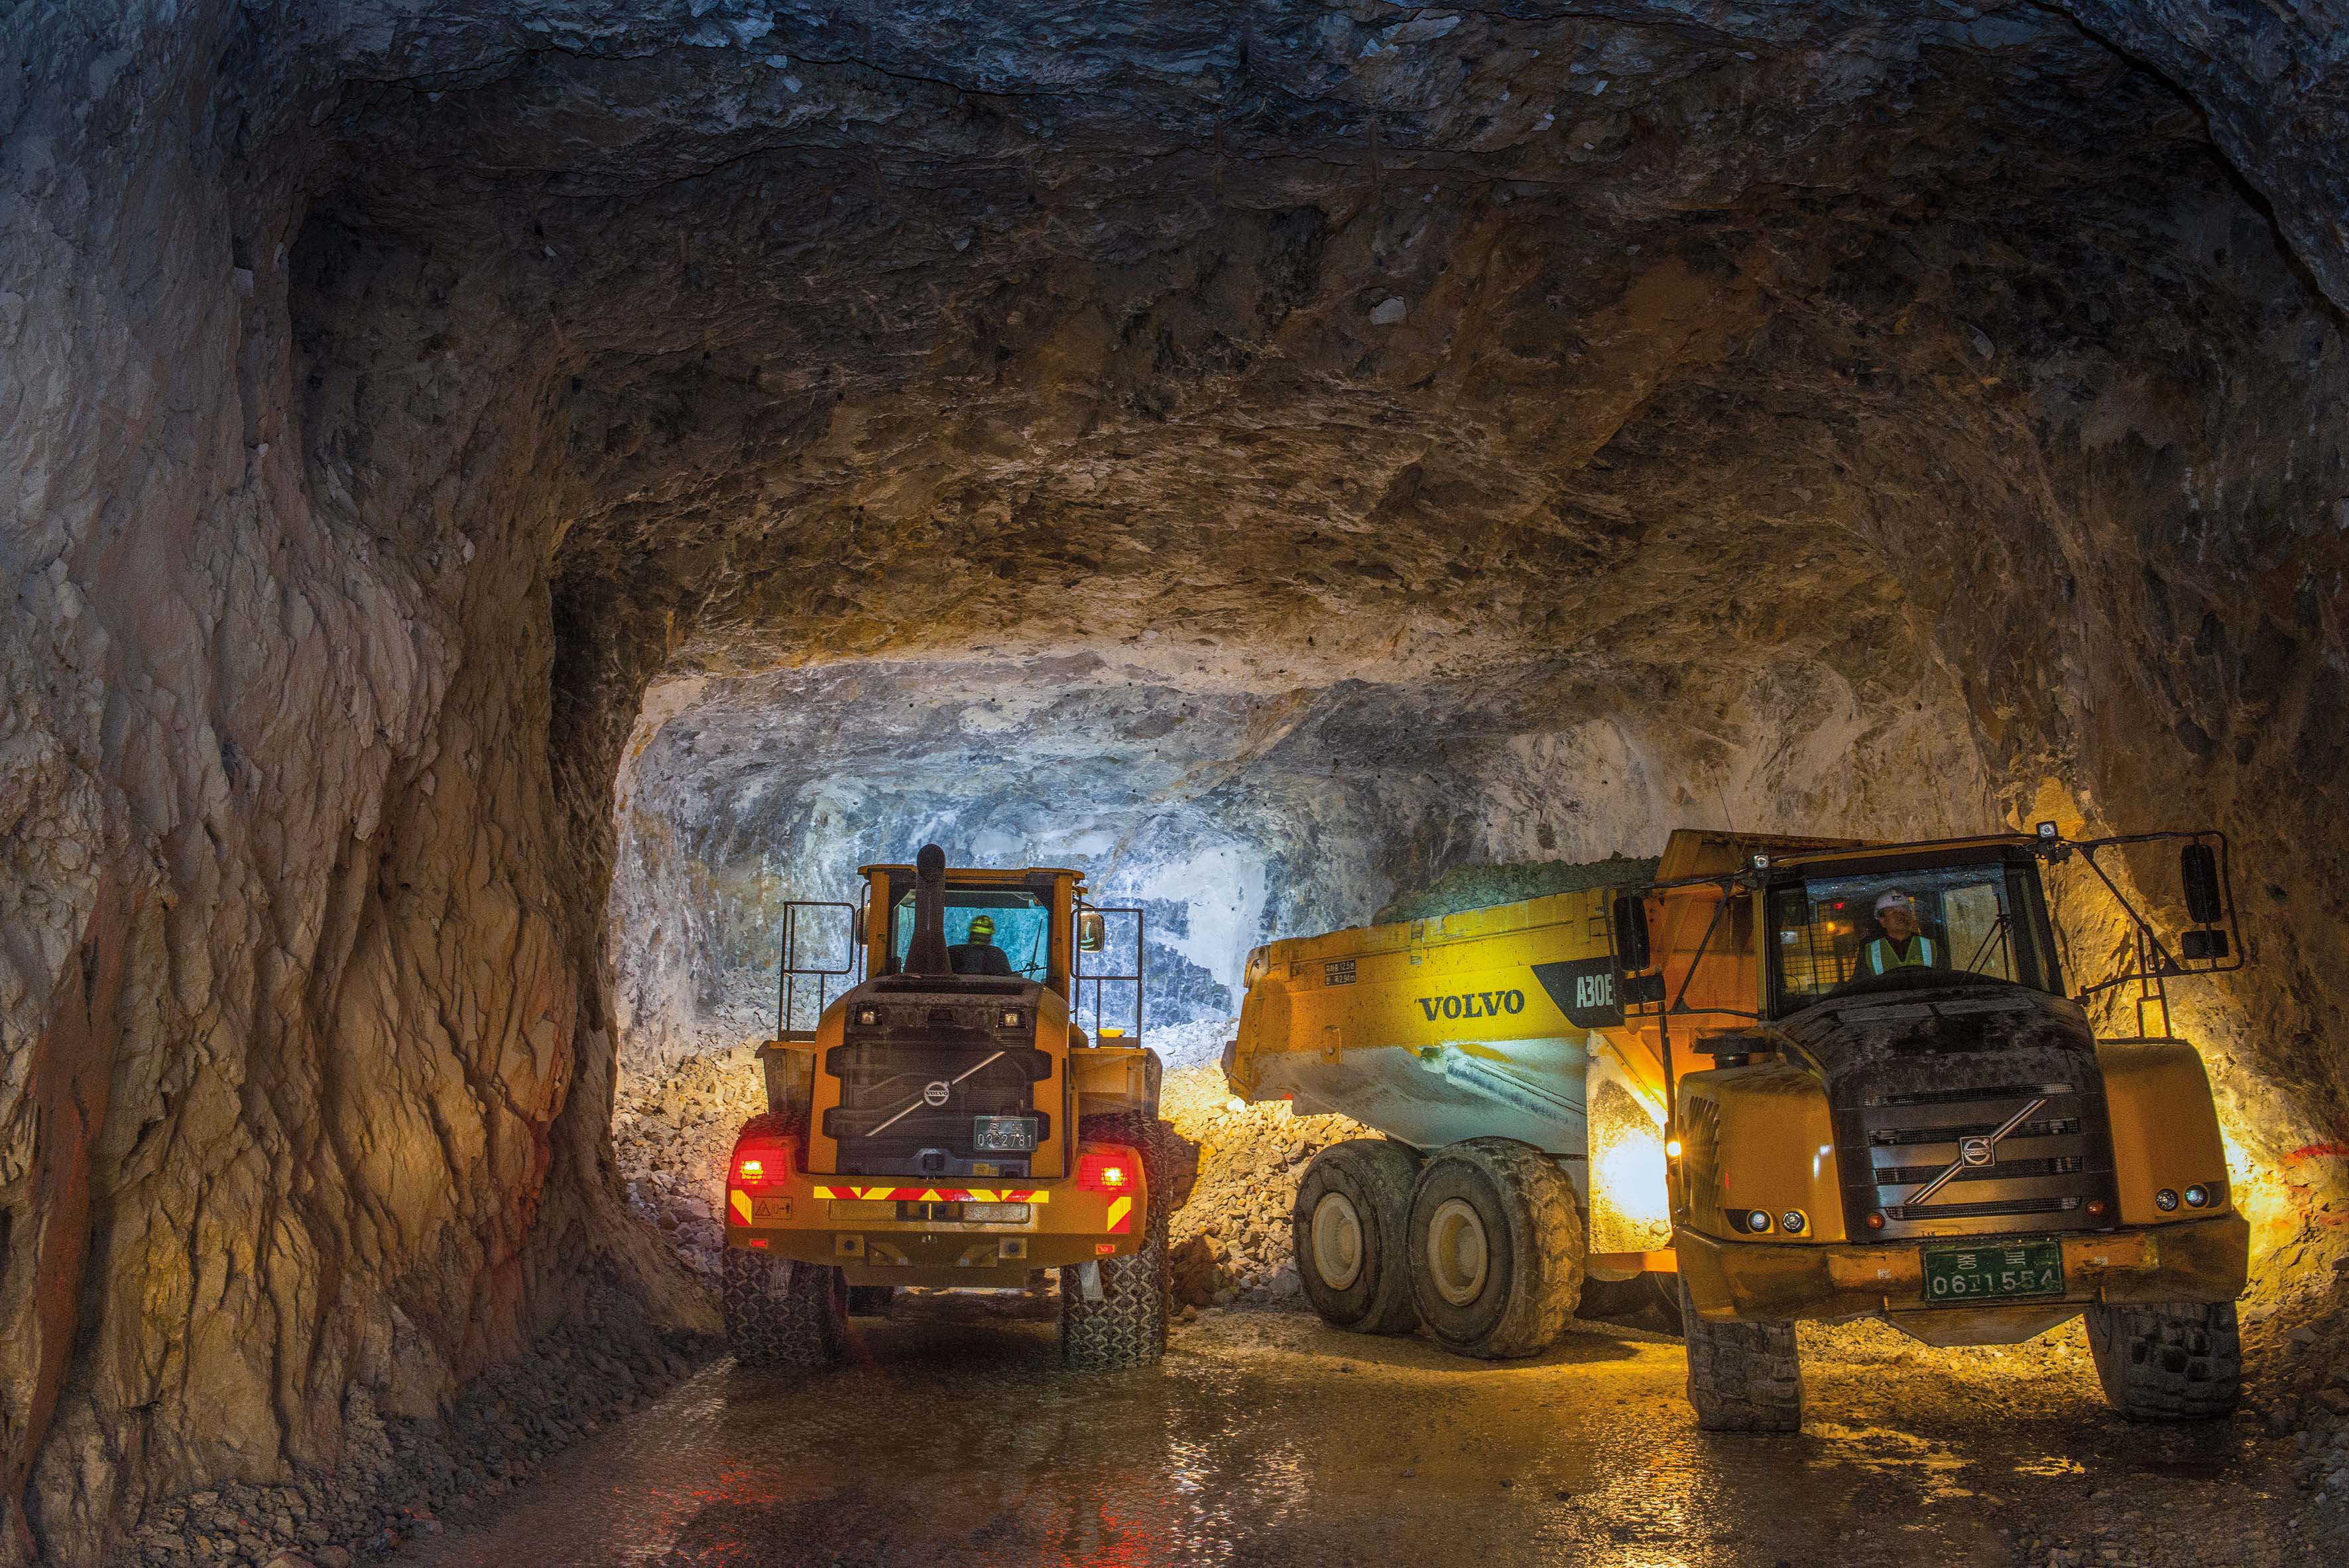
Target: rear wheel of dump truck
{"points": [[1495, 1248], [1351, 1232], [2180, 1363], [782, 1313], [1114, 1311], [1742, 1377]]}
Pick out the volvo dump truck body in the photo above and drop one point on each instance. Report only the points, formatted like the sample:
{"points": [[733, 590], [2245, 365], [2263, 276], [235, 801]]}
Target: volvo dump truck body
{"points": [[948, 1123], [1708, 1076]]}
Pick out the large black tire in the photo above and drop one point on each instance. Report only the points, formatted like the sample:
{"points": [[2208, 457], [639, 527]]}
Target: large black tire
{"points": [[1350, 1231], [1127, 1327], [1494, 1247], [780, 1313], [1742, 1377], [869, 1300], [2180, 1363]]}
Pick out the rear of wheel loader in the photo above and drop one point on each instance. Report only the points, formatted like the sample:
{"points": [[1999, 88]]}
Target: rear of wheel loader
{"points": [[946, 1124]]}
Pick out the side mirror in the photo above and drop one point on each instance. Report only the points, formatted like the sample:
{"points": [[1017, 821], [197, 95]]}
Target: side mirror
{"points": [[2198, 867], [2202, 946], [1092, 931], [1631, 920]]}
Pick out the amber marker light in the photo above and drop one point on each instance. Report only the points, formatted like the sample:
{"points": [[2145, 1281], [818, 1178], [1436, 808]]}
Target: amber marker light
{"points": [[1876, 1222]]}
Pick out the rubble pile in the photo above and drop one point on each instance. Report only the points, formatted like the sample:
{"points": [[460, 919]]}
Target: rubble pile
{"points": [[400, 1476], [672, 1135], [1232, 1239], [2296, 1347]]}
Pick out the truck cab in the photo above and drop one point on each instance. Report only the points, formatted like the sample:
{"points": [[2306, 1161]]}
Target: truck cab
{"points": [[948, 1120]]}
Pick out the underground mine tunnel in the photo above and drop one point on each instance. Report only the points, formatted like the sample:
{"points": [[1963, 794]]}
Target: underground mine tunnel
{"points": [[504, 496]]}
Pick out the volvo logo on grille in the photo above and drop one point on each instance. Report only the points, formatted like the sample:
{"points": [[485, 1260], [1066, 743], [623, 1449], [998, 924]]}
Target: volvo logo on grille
{"points": [[1978, 1151], [935, 1094]]}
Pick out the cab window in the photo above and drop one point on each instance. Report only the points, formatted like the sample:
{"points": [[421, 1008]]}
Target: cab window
{"points": [[1021, 932], [1829, 930]]}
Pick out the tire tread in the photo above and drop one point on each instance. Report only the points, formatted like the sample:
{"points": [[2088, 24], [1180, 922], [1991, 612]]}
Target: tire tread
{"points": [[2169, 1363]]}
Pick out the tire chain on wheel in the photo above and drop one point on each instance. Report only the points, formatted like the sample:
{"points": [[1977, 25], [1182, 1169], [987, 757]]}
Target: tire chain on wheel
{"points": [[780, 1313], [1742, 1377], [1127, 1327], [2182, 1363]]}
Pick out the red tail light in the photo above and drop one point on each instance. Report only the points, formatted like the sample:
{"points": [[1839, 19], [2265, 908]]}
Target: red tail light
{"points": [[1109, 1170], [761, 1159]]}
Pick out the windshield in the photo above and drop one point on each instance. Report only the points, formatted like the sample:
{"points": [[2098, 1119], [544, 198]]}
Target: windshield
{"points": [[1020, 937], [1831, 929]]}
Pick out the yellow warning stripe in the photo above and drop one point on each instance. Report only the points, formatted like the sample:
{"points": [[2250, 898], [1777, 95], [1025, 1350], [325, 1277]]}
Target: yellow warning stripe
{"points": [[1121, 1215], [739, 1201]]}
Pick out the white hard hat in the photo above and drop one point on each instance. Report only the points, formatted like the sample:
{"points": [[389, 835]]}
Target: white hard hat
{"points": [[1895, 900]]}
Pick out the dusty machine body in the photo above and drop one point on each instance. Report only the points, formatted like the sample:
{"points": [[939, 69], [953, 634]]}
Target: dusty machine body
{"points": [[948, 1122], [1702, 1075]]}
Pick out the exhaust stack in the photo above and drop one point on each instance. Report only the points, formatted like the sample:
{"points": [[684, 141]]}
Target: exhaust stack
{"points": [[927, 954]]}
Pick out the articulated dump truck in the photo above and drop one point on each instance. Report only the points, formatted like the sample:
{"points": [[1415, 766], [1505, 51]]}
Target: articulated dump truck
{"points": [[947, 1123], [1814, 1079]]}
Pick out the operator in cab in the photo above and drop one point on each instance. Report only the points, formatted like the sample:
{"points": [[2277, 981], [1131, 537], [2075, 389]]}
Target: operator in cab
{"points": [[979, 955], [1903, 945]]}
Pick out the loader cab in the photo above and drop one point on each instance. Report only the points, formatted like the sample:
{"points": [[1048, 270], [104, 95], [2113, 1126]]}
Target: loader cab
{"points": [[1034, 912], [1980, 914]]}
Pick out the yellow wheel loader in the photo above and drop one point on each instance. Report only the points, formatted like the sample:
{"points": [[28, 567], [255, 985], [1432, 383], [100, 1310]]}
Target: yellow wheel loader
{"points": [[1811, 1079], [948, 1123]]}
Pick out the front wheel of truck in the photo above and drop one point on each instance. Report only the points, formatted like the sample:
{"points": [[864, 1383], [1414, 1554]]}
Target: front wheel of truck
{"points": [[782, 1313], [1742, 1377], [2170, 1363], [1495, 1248], [1114, 1311], [1351, 1232]]}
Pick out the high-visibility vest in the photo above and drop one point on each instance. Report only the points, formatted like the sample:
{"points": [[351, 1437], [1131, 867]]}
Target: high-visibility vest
{"points": [[1882, 957]]}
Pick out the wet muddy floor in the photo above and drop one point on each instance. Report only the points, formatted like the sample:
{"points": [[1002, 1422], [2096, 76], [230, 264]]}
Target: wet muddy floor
{"points": [[1268, 1439]]}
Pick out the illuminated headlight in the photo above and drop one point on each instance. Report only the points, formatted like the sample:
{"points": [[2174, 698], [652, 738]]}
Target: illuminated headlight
{"points": [[1794, 1222], [868, 1018], [995, 1213], [2196, 1196], [1011, 1018], [2165, 1200], [1757, 1221]]}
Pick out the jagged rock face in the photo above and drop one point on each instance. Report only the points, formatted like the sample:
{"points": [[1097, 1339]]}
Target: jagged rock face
{"points": [[1348, 442]]}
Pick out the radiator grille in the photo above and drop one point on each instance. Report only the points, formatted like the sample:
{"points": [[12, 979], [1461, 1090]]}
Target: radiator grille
{"points": [[2049, 1171], [887, 1123]]}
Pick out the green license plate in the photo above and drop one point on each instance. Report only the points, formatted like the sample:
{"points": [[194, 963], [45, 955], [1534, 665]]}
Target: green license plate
{"points": [[1959, 1276]]}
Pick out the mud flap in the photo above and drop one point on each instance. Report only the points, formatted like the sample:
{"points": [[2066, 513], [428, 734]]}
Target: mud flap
{"points": [[1089, 1282]]}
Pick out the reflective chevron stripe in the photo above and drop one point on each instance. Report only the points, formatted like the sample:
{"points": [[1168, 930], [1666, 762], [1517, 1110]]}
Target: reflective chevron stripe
{"points": [[1121, 1215], [940, 1194], [740, 1203]]}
